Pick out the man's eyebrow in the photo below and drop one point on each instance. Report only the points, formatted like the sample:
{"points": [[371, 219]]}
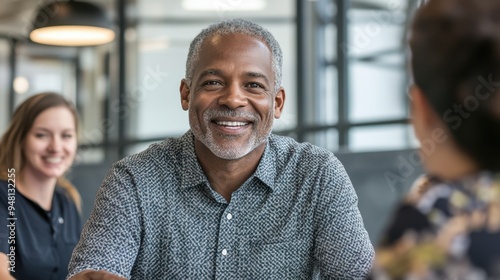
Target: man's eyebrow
{"points": [[207, 72], [216, 72], [257, 75]]}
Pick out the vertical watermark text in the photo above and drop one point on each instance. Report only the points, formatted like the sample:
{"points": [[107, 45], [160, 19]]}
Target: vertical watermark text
{"points": [[11, 217]]}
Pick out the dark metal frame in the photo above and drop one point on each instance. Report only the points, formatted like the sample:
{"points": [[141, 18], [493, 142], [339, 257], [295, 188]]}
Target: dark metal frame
{"points": [[301, 70], [13, 71], [122, 91], [302, 129], [344, 125], [343, 72]]}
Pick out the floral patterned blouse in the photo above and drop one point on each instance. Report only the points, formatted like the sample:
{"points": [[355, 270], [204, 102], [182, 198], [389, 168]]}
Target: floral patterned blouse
{"points": [[444, 230]]}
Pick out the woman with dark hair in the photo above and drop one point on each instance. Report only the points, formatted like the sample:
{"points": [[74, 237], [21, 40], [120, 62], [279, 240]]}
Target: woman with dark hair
{"points": [[40, 207], [448, 227]]}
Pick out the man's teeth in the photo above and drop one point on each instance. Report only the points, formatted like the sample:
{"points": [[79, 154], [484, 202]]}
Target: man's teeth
{"points": [[231, 123], [53, 159]]}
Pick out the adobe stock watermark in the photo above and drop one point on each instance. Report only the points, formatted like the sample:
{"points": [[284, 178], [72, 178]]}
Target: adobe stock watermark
{"points": [[42, 14], [454, 118], [11, 218], [365, 35], [151, 81]]}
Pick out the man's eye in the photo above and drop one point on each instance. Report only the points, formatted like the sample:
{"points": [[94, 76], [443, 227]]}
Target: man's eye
{"points": [[211, 83], [254, 85]]}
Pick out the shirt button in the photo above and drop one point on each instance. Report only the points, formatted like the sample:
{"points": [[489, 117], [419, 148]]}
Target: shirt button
{"points": [[224, 252], [229, 216]]}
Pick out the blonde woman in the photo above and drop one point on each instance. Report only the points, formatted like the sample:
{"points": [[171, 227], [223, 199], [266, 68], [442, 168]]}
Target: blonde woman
{"points": [[40, 207]]}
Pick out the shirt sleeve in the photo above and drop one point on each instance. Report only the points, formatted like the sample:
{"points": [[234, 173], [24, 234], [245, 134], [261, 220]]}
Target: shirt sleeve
{"points": [[111, 236], [342, 246]]}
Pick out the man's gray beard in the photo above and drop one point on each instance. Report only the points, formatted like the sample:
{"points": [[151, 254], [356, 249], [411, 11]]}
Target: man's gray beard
{"points": [[228, 153]]}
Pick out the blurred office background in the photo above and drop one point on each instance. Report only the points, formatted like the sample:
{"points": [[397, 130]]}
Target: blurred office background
{"points": [[345, 75]]}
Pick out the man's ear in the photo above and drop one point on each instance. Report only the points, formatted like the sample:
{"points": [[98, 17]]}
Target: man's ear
{"points": [[185, 94], [279, 102]]}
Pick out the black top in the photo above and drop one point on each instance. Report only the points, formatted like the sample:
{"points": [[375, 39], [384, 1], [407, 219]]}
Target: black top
{"points": [[38, 243]]}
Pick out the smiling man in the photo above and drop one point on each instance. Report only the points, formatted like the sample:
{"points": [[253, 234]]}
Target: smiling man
{"points": [[228, 200]]}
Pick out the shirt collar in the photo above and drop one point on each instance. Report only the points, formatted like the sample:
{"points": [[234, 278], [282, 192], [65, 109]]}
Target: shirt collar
{"points": [[193, 175], [191, 172], [266, 170]]}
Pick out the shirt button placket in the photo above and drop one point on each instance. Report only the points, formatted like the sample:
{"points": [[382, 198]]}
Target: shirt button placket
{"points": [[226, 260]]}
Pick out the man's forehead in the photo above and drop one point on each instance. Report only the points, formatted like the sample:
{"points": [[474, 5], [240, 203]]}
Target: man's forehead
{"points": [[218, 38]]}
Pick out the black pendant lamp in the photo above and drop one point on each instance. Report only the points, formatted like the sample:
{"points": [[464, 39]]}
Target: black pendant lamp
{"points": [[72, 23]]}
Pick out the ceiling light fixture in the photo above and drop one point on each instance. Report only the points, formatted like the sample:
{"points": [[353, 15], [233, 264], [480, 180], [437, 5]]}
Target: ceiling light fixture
{"points": [[21, 85], [224, 5], [72, 23]]}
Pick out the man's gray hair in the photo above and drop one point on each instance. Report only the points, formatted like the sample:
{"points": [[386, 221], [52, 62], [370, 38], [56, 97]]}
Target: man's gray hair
{"points": [[236, 26]]}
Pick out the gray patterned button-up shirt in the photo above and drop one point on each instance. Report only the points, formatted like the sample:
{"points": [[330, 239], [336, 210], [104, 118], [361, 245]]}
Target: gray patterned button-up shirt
{"points": [[156, 217]]}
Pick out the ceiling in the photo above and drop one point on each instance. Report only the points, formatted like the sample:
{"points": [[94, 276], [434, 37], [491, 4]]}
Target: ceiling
{"points": [[16, 15]]}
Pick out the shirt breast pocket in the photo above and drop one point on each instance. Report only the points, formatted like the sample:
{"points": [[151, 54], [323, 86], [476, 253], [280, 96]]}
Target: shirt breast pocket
{"points": [[280, 260]]}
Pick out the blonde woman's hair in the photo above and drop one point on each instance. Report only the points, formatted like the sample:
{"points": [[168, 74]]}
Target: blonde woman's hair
{"points": [[11, 144]]}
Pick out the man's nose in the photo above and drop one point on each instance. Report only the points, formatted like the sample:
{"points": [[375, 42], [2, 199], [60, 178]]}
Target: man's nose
{"points": [[233, 96]]}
